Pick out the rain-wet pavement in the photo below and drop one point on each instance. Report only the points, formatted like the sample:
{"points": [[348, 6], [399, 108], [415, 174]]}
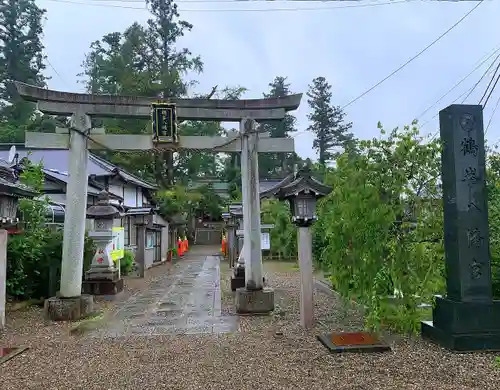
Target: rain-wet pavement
{"points": [[187, 300]]}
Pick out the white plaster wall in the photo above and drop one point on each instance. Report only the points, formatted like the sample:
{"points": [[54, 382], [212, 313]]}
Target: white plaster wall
{"points": [[139, 196], [130, 196], [116, 189]]}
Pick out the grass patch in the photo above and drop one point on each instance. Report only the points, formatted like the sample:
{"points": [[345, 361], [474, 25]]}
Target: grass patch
{"points": [[88, 324], [23, 305]]}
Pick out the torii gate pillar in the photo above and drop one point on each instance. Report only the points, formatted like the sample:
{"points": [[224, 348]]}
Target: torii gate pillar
{"points": [[253, 298]]}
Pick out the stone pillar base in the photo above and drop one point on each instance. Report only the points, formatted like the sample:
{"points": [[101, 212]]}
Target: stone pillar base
{"points": [[464, 326], [254, 302], [69, 309], [102, 286]]}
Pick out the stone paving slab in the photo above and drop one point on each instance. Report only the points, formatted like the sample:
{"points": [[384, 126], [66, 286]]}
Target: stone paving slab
{"points": [[187, 300]]}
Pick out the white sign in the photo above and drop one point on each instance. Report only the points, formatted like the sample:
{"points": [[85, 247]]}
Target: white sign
{"points": [[265, 241]]}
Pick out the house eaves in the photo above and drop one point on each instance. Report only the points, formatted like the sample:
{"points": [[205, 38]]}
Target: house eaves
{"points": [[114, 170]]}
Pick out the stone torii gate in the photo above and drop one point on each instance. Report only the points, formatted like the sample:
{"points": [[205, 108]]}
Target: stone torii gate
{"points": [[81, 137]]}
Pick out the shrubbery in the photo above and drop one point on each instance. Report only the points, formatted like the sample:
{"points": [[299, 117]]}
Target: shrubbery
{"points": [[381, 229], [34, 256], [127, 262]]}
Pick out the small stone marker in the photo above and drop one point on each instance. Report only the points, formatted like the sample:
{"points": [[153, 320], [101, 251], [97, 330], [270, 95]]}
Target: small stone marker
{"points": [[8, 353], [360, 342]]}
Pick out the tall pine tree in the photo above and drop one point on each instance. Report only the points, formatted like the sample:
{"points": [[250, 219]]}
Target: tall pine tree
{"points": [[278, 164], [166, 28], [143, 61], [332, 136], [21, 56]]}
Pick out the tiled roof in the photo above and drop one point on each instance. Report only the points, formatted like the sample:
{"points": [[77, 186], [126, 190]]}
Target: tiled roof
{"points": [[57, 160]]}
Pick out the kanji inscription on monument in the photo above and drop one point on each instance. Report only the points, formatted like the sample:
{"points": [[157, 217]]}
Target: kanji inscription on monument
{"points": [[465, 220]]}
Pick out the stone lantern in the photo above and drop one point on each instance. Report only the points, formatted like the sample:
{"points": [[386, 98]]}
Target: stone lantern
{"points": [[103, 277], [302, 193]]}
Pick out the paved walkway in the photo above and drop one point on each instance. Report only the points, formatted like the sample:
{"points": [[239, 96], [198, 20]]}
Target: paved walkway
{"points": [[187, 300]]}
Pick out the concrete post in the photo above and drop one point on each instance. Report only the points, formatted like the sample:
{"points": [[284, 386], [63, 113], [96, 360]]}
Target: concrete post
{"points": [[141, 248], [3, 275], [306, 277], [76, 205], [251, 205], [231, 244]]}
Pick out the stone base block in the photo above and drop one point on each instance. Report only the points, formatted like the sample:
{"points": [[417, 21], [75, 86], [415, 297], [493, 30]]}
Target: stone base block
{"points": [[464, 326], [254, 302], [102, 274], [467, 342], [102, 287], [69, 309], [239, 282]]}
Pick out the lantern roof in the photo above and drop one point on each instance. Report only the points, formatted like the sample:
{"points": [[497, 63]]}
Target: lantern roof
{"points": [[103, 209], [292, 185]]}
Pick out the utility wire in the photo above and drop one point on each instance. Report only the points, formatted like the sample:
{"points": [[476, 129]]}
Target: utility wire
{"points": [[480, 79], [270, 1], [107, 5], [415, 56], [492, 115], [492, 89], [50, 64], [489, 84], [481, 62], [453, 102]]}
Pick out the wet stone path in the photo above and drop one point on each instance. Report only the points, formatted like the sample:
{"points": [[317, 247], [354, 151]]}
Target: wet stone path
{"points": [[187, 300]]}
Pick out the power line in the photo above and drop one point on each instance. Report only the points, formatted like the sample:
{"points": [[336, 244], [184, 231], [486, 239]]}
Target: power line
{"points": [[50, 64], [489, 84], [106, 5], [415, 56], [492, 115], [480, 79], [272, 1], [481, 62], [492, 89], [453, 102]]}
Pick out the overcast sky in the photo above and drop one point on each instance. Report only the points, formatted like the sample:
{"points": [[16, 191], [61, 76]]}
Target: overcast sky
{"points": [[353, 47]]}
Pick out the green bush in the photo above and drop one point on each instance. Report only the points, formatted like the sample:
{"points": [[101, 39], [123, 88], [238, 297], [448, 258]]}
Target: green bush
{"points": [[34, 263], [127, 262]]}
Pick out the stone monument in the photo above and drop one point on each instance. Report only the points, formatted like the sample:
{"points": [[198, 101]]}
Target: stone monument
{"points": [[467, 319], [103, 278]]}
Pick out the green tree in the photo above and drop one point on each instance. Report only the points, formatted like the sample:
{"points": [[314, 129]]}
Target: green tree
{"points": [[332, 135], [21, 56], [493, 187], [381, 228]]}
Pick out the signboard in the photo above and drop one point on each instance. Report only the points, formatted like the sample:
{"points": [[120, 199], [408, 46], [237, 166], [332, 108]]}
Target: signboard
{"points": [[118, 243], [164, 121], [265, 241]]}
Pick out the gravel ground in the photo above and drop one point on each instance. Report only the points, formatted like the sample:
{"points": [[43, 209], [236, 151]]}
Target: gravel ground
{"points": [[269, 352]]}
